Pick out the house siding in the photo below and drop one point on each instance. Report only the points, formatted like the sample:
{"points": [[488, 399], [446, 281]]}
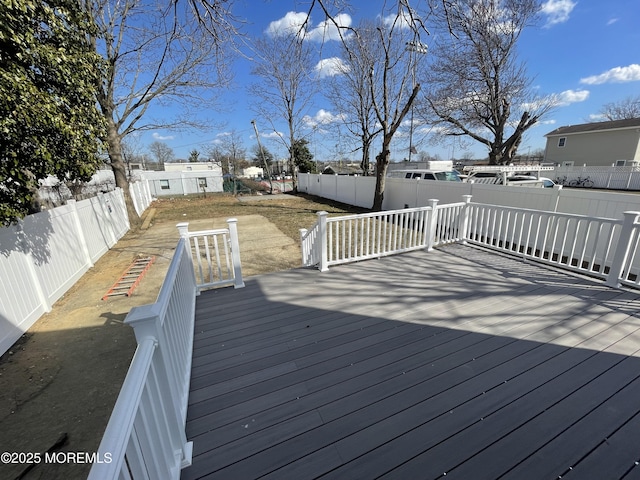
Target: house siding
{"points": [[600, 148]]}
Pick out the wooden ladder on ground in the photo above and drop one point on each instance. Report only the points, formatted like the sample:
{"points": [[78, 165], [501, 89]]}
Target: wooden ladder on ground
{"points": [[130, 279]]}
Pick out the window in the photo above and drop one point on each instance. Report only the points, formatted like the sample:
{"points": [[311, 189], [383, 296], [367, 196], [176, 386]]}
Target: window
{"points": [[202, 182], [562, 141], [621, 163], [164, 184]]}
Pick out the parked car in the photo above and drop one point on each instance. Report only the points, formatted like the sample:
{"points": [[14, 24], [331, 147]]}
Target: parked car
{"points": [[442, 175]]}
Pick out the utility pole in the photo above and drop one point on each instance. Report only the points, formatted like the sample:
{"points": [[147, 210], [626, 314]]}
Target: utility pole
{"points": [[414, 48], [264, 161]]}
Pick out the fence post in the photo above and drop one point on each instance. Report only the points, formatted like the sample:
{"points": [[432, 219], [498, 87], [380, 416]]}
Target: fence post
{"points": [[622, 249], [431, 223], [321, 241], [108, 216], [463, 220], [80, 233], [235, 253]]}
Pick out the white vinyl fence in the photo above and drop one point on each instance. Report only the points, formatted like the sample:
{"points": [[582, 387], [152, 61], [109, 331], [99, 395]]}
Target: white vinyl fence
{"points": [[141, 195], [616, 178], [46, 253], [604, 248], [145, 437], [409, 193]]}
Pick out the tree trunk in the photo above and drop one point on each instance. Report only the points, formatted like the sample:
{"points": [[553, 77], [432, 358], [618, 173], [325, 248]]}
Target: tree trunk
{"points": [[364, 163], [120, 173], [382, 162]]}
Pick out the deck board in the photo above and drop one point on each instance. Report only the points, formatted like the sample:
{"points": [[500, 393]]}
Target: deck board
{"points": [[458, 360]]}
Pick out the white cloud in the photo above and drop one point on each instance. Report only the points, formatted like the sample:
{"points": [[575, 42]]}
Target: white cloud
{"points": [[557, 11], [597, 117], [329, 30], [290, 24], [569, 96], [298, 23], [322, 117], [157, 136], [612, 21], [404, 21], [329, 67], [277, 135], [615, 75]]}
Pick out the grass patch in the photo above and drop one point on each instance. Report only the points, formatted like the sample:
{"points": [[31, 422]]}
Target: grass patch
{"points": [[289, 214]]}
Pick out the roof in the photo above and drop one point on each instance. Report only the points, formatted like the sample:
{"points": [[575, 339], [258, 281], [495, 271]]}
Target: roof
{"points": [[595, 127]]}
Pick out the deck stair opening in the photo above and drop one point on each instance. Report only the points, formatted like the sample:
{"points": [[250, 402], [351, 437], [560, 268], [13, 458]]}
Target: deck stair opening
{"points": [[130, 279]]}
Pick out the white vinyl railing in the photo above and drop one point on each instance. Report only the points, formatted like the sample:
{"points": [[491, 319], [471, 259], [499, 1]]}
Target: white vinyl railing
{"points": [[307, 241], [351, 238], [215, 255], [600, 247], [145, 437]]}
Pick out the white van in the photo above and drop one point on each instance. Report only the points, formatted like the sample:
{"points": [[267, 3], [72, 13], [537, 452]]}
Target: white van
{"points": [[417, 173]]}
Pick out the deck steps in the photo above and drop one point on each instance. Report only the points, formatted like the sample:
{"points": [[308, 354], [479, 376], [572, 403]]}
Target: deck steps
{"points": [[130, 279]]}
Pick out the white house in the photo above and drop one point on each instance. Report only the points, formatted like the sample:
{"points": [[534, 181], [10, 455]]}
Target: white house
{"points": [[610, 143], [164, 184], [192, 167], [253, 172]]}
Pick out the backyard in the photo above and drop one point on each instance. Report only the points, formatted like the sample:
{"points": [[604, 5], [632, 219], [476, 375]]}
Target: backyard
{"points": [[59, 382]]}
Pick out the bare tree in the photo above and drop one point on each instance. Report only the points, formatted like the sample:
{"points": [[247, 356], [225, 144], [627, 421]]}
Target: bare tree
{"points": [[477, 87], [161, 152], [350, 93], [234, 151], [624, 109], [230, 154], [283, 63], [157, 53], [390, 81]]}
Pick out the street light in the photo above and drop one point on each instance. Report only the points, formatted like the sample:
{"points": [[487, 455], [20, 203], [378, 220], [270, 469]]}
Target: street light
{"points": [[421, 48]]}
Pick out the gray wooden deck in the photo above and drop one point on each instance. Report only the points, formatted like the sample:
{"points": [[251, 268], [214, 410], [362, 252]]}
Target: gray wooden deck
{"points": [[457, 362]]}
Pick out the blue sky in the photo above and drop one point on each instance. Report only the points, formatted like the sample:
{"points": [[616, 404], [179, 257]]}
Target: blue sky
{"points": [[587, 52]]}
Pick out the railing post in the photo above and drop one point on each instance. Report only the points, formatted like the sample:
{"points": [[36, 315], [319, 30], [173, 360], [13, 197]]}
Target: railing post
{"points": [[183, 229], [303, 232], [235, 253], [321, 241], [622, 249], [431, 223], [463, 220]]}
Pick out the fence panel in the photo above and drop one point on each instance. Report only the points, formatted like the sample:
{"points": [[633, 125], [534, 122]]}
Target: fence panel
{"points": [[46, 253]]}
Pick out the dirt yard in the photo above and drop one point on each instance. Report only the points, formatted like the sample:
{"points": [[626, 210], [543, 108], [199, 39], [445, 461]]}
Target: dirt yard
{"points": [[59, 382]]}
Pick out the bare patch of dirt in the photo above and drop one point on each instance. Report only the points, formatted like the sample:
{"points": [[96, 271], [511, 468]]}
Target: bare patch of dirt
{"points": [[59, 382]]}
